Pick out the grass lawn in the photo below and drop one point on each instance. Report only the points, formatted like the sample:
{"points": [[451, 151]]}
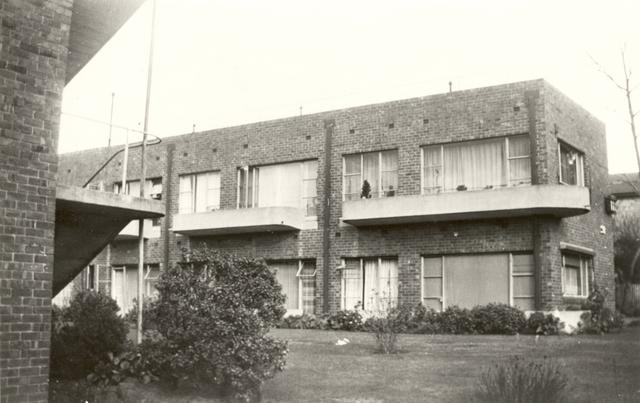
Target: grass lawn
{"points": [[431, 368]]}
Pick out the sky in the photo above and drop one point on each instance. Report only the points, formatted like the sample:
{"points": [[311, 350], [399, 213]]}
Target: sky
{"points": [[224, 63]]}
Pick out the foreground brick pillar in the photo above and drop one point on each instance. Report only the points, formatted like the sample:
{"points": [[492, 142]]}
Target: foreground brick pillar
{"points": [[33, 53]]}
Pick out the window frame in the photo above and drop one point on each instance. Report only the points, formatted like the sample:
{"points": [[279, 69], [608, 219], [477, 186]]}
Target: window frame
{"points": [[361, 261], [380, 192], [301, 277], [511, 275], [580, 171], [252, 192], [584, 272], [506, 161], [193, 177]]}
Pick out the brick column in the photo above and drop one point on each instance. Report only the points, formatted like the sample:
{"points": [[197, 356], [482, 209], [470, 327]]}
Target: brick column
{"points": [[33, 53]]}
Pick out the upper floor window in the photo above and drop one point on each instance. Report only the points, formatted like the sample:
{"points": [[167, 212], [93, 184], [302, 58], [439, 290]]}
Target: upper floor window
{"points": [[153, 188], [291, 184], [473, 165], [571, 165], [378, 169], [575, 274], [199, 192]]}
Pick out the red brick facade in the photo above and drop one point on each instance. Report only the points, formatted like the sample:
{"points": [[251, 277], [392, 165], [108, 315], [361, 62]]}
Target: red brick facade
{"points": [[33, 54], [531, 107]]}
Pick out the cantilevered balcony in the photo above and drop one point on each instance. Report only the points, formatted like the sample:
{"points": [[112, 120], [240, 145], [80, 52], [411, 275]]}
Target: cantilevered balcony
{"points": [[236, 221], [553, 200], [131, 231]]}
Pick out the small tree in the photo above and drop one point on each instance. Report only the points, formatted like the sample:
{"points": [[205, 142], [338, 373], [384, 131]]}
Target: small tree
{"points": [[366, 190], [213, 313]]}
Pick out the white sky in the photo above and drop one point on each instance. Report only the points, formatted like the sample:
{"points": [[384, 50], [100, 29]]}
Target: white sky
{"points": [[224, 63]]}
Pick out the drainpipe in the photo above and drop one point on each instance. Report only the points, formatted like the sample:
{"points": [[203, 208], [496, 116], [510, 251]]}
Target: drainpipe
{"points": [[329, 125]]}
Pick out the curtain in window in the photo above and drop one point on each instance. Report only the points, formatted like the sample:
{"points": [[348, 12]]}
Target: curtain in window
{"points": [[389, 172], [569, 160], [388, 283], [572, 278], [352, 181], [185, 202], [475, 165], [371, 288], [309, 191], [286, 276], [519, 160], [308, 281], [432, 282], [352, 284], [213, 191], [432, 169], [280, 185], [370, 171], [134, 188], [476, 280]]}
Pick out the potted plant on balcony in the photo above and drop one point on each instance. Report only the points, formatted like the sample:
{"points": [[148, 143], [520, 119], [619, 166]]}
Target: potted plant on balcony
{"points": [[366, 190]]}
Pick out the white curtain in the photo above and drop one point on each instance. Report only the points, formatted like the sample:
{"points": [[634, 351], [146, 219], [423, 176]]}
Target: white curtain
{"points": [[185, 204], [280, 185], [352, 177], [432, 175], [389, 172], [370, 172], [475, 165], [286, 276], [351, 284], [519, 160], [371, 286], [388, 283]]}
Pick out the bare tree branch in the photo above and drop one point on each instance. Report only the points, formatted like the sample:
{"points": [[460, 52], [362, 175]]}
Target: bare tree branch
{"points": [[606, 74]]}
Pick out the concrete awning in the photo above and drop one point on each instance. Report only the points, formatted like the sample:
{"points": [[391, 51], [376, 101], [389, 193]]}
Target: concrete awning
{"points": [[86, 221], [553, 200], [237, 221]]}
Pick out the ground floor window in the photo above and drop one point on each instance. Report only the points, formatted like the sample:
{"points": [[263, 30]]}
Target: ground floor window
{"points": [[575, 274], [470, 280], [124, 284], [370, 284], [298, 281]]}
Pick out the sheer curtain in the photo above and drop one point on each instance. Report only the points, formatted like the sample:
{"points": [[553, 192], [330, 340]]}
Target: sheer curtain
{"points": [[476, 280], [370, 171], [280, 185], [351, 284], [476, 165], [371, 290], [185, 202], [352, 182], [286, 276], [388, 283], [432, 175], [389, 171]]}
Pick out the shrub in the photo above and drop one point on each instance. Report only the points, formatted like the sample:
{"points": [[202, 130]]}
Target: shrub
{"points": [[387, 328], [524, 381], [603, 322], [148, 320], [455, 320], [345, 320], [539, 323], [84, 333], [498, 319], [213, 314], [304, 321], [116, 369]]}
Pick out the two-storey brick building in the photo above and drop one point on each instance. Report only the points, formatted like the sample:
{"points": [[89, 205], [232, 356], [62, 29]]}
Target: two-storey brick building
{"points": [[486, 195]]}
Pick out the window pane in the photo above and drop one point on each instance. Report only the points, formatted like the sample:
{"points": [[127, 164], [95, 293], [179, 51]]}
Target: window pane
{"points": [[242, 183], [353, 187], [519, 146], [352, 284], [571, 280], [389, 172], [134, 188], [523, 286], [433, 287], [432, 266], [524, 304], [286, 276], [476, 279], [352, 164], [474, 165], [571, 260], [568, 164], [432, 303], [520, 171], [370, 166], [432, 174], [185, 202], [523, 263]]}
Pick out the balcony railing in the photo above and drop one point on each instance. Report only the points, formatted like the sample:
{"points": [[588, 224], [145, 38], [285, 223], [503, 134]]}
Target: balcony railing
{"points": [[553, 200]]}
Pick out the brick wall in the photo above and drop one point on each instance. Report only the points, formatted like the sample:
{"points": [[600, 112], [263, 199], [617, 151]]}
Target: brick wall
{"points": [[33, 52], [521, 108]]}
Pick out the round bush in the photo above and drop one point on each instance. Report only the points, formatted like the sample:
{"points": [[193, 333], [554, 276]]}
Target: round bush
{"points": [[84, 333], [498, 319], [213, 313]]}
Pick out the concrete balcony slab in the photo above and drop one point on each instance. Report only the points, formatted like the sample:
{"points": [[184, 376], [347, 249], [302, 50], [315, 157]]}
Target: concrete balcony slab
{"points": [[554, 200], [237, 221]]}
